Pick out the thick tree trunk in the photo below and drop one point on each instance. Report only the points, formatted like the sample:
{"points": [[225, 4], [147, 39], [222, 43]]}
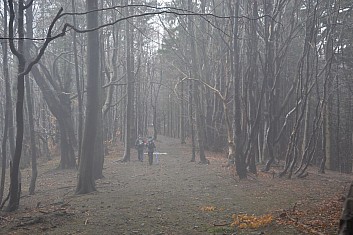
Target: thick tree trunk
{"points": [[199, 120], [86, 183], [98, 160], [67, 159], [61, 110], [14, 171], [238, 156]]}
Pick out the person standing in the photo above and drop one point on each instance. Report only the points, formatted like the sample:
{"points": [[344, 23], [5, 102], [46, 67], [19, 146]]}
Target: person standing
{"points": [[139, 144], [150, 148]]}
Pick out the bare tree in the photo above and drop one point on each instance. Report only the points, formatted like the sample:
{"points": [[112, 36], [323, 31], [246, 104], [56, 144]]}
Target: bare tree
{"points": [[129, 88], [8, 127], [23, 69], [196, 92], [86, 183]]}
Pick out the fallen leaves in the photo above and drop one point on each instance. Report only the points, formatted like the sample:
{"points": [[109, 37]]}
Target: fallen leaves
{"points": [[318, 218], [208, 208], [244, 221]]}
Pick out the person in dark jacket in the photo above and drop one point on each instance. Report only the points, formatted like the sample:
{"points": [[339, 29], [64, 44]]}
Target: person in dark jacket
{"points": [[139, 144], [150, 148]]}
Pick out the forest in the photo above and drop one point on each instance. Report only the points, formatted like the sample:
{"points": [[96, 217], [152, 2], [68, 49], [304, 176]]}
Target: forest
{"points": [[250, 88]]}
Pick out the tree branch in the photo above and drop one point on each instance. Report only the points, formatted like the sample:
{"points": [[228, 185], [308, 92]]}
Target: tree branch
{"points": [[161, 10], [46, 43]]}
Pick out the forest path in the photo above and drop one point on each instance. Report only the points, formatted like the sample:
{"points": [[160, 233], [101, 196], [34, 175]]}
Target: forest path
{"points": [[165, 198]]}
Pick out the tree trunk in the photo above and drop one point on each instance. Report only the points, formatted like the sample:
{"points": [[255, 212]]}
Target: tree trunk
{"points": [[191, 122], [86, 183], [238, 156], [15, 183], [199, 121], [78, 86], [8, 107], [346, 221], [60, 108], [33, 152], [182, 115], [129, 87], [32, 185], [327, 136]]}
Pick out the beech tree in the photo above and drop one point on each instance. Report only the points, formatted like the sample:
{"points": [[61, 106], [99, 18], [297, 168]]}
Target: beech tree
{"points": [[86, 183], [129, 89]]}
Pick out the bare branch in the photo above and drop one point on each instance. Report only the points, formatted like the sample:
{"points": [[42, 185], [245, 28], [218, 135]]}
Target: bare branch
{"points": [[161, 10], [46, 43], [28, 4]]}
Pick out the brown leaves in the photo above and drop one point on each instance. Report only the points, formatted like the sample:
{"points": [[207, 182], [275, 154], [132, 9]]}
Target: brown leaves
{"points": [[243, 221], [317, 219], [208, 208]]}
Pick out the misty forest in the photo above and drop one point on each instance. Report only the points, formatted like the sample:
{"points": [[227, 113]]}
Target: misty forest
{"points": [[176, 117]]}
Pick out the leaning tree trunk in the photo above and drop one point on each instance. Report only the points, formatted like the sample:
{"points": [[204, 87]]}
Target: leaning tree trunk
{"points": [[60, 108]]}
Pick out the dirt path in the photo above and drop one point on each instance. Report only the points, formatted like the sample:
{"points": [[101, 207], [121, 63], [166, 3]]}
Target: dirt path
{"points": [[166, 198]]}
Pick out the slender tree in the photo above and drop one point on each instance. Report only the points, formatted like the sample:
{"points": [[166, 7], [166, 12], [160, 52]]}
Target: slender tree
{"points": [[8, 127], [23, 69], [129, 88]]}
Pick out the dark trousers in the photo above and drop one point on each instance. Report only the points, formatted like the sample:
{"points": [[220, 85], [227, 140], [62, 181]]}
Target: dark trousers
{"points": [[140, 155], [150, 158]]}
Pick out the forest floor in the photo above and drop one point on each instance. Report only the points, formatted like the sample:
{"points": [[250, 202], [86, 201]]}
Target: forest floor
{"points": [[175, 197]]}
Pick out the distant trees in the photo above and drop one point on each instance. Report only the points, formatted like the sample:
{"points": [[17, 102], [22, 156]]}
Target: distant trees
{"points": [[283, 58]]}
